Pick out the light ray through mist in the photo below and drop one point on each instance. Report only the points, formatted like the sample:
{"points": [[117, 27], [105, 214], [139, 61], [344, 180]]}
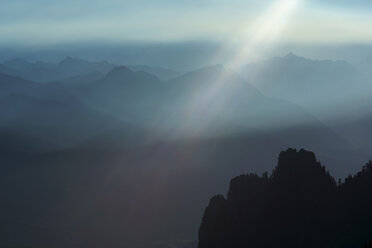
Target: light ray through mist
{"points": [[205, 104], [203, 108], [264, 31]]}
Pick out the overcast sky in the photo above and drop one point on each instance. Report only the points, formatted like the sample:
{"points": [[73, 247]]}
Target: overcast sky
{"points": [[302, 21]]}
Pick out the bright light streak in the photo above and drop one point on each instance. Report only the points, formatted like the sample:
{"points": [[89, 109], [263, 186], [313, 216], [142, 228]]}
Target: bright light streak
{"points": [[203, 109], [264, 31]]}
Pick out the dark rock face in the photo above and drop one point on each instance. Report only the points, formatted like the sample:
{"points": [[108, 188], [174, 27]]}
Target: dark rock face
{"points": [[368, 245], [299, 205], [214, 225]]}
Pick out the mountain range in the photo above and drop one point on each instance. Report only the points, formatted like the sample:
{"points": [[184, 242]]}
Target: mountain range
{"points": [[70, 68], [312, 84], [105, 155]]}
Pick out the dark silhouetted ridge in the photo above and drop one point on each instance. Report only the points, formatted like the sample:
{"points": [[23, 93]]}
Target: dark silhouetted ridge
{"points": [[299, 205]]}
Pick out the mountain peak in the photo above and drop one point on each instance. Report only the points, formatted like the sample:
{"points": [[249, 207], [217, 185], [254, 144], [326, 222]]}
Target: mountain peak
{"points": [[291, 55], [68, 60], [118, 72], [296, 156], [298, 163]]}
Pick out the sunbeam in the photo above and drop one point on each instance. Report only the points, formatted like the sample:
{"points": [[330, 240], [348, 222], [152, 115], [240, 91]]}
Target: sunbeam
{"points": [[205, 104], [264, 31]]}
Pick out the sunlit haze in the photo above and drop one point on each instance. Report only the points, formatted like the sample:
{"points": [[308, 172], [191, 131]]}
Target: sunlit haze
{"points": [[30, 22]]}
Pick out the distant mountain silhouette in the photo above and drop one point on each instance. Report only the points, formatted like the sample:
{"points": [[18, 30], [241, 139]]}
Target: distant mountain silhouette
{"points": [[123, 74], [51, 120], [227, 101], [81, 79], [162, 73], [214, 101], [13, 84], [310, 83], [21, 65], [72, 67], [211, 101], [134, 96], [45, 72], [299, 205]]}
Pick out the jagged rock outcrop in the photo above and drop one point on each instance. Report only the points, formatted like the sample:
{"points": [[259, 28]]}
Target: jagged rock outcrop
{"points": [[299, 205]]}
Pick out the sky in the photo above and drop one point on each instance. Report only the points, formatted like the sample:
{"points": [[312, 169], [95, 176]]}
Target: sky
{"points": [[30, 22]]}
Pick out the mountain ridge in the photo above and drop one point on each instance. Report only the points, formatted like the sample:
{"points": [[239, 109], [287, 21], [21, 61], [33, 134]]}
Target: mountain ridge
{"points": [[300, 197]]}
